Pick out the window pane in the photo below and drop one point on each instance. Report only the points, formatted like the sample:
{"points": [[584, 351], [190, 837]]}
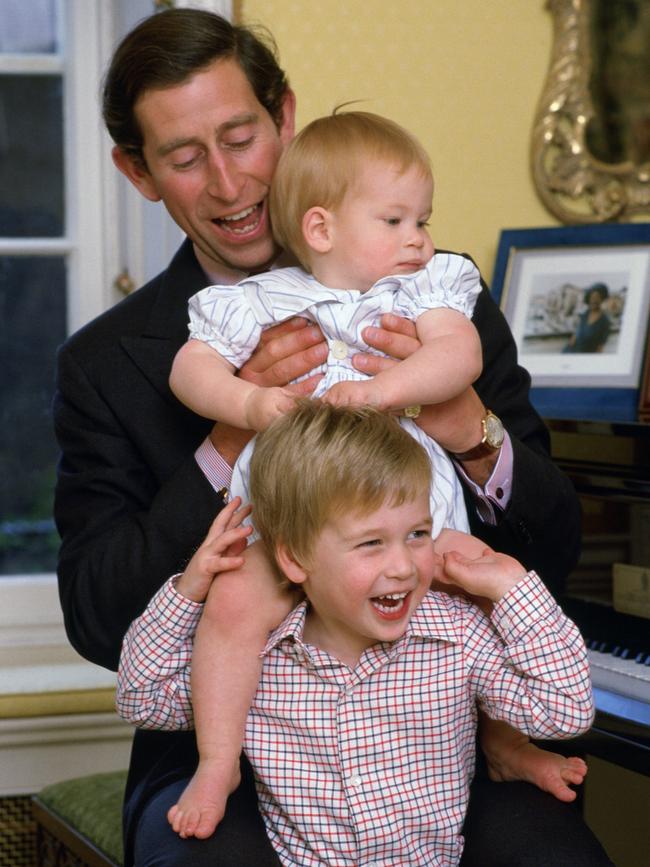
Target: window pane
{"points": [[31, 144], [28, 26], [33, 305]]}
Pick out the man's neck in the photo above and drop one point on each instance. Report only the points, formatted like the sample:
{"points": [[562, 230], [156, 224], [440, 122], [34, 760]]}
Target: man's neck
{"points": [[220, 274]]}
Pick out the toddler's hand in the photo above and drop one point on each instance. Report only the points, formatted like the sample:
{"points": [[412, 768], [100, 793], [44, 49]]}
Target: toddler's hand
{"points": [[221, 551], [263, 405], [491, 575]]}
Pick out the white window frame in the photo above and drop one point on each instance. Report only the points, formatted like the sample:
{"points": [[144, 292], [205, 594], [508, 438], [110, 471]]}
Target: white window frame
{"points": [[31, 625], [91, 250], [109, 227]]}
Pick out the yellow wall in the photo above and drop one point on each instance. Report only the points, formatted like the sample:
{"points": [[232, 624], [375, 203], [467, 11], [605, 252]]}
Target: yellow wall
{"points": [[465, 77]]}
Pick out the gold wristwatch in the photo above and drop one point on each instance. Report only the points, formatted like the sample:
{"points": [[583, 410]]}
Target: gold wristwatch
{"points": [[493, 434]]}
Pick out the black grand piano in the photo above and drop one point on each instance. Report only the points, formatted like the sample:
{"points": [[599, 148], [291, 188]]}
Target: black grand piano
{"points": [[609, 464]]}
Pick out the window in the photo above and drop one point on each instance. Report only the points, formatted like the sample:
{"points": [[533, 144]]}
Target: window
{"points": [[69, 226], [53, 273]]}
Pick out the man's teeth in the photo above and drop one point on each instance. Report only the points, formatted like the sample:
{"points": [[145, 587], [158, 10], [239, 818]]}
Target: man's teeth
{"points": [[247, 228], [240, 215]]}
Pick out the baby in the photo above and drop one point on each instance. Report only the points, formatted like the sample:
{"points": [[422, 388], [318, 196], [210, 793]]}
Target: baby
{"points": [[351, 198]]}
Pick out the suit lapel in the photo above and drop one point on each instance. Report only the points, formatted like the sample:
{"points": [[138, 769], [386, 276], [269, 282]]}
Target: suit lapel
{"points": [[166, 328]]}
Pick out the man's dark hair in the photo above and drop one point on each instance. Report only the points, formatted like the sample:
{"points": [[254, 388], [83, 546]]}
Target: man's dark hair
{"points": [[170, 47]]}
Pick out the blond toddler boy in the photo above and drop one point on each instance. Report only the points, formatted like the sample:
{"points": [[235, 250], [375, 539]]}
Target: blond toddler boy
{"points": [[362, 730]]}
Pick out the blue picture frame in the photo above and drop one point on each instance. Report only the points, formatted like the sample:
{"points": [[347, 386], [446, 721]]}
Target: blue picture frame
{"points": [[585, 402]]}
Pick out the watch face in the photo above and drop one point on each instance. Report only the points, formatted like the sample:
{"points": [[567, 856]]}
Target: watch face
{"points": [[493, 430]]}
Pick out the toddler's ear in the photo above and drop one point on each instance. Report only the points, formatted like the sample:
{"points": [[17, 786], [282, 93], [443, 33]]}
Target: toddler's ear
{"points": [[316, 225], [294, 571]]}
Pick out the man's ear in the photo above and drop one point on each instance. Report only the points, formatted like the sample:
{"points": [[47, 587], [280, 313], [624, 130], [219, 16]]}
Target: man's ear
{"points": [[316, 229], [287, 128], [134, 169], [294, 571]]}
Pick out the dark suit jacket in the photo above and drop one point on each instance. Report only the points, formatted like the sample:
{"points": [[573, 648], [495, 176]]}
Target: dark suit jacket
{"points": [[131, 504]]}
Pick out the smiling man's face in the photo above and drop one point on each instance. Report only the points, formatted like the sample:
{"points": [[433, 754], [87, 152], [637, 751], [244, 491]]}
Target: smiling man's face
{"points": [[211, 150]]}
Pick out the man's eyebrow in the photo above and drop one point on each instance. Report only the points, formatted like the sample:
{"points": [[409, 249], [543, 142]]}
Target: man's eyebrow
{"points": [[232, 123], [239, 120]]}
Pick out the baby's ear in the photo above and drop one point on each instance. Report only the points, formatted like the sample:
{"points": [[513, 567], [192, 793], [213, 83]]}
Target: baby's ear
{"points": [[316, 229], [294, 571]]}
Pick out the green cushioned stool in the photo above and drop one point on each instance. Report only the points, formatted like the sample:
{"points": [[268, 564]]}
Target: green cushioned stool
{"points": [[79, 822]]}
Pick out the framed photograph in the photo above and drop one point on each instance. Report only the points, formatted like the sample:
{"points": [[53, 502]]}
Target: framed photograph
{"points": [[644, 397], [577, 299]]}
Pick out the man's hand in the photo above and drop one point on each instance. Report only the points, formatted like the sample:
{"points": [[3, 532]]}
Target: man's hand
{"points": [[285, 352], [454, 424], [397, 337]]}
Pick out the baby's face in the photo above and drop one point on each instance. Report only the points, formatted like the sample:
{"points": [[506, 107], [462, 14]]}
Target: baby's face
{"points": [[380, 228]]}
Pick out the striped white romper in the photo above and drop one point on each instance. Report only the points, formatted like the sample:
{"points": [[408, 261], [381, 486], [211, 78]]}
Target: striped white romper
{"points": [[231, 318]]}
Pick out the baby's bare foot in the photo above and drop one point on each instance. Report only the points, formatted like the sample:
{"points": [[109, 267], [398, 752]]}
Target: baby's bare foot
{"points": [[201, 806], [548, 771]]}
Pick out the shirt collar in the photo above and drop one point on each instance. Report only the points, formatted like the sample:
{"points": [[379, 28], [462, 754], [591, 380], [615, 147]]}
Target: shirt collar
{"points": [[434, 618], [292, 627]]}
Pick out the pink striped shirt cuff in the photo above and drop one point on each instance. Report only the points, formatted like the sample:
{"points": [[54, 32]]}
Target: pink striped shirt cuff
{"points": [[216, 470], [497, 490]]}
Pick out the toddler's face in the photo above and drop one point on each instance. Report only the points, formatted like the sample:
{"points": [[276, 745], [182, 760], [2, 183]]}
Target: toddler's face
{"points": [[367, 575], [380, 228]]}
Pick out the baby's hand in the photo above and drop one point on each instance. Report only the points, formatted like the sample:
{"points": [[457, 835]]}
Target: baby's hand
{"points": [[263, 405], [490, 575], [221, 551], [364, 393]]}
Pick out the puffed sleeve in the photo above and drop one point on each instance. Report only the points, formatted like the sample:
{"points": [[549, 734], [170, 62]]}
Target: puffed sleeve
{"points": [[447, 281], [230, 319]]}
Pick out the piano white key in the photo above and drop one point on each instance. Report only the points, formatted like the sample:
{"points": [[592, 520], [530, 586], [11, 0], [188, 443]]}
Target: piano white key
{"points": [[623, 676]]}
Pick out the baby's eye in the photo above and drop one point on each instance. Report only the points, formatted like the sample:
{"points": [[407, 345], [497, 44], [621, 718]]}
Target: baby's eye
{"points": [[393, 221], [423, 224]]}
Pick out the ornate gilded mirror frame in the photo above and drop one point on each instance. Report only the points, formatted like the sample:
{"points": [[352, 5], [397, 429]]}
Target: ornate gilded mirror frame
{"points": [[574, 185]]}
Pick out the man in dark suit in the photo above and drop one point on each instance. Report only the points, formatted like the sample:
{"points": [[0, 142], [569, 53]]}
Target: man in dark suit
{"points": [[199, 112]]}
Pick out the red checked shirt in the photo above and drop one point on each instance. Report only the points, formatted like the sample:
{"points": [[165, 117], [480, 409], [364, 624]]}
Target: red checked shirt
{"points": [[372, 766]]}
